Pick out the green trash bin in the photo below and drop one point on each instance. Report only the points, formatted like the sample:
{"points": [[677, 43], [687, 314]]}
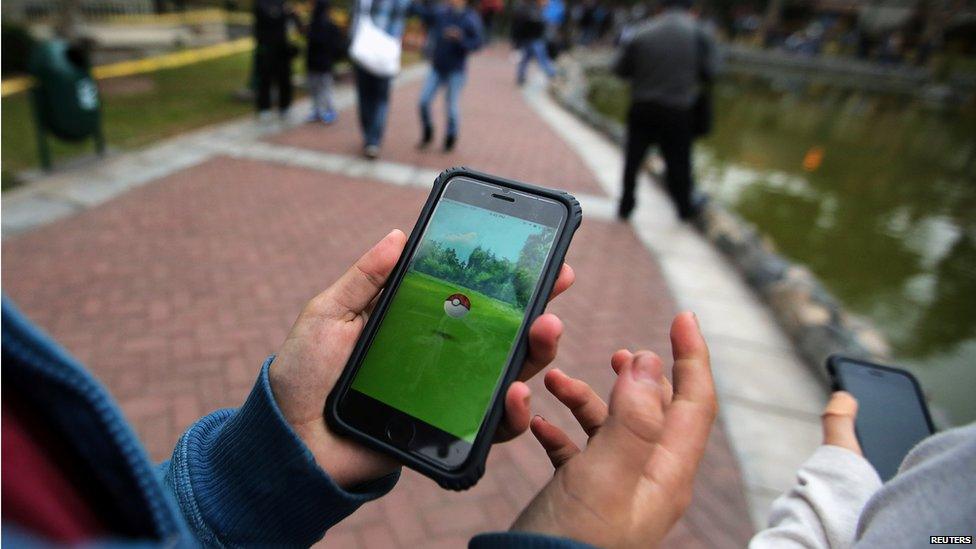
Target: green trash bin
{"points": [[64, 99]]}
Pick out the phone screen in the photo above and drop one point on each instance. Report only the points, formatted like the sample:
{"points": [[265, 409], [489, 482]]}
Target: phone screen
{"points": [[450, 329], [891, 417]]}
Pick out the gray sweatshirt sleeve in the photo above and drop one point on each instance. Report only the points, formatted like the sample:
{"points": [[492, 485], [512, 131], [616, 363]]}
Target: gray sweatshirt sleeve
{"points": [[822, 509], [933, 494]]}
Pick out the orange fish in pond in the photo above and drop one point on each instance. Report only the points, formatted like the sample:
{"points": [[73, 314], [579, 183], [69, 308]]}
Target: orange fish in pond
{"points": [[813, 159]]}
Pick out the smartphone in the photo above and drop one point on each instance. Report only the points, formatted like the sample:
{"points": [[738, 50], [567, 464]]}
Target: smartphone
{"points": [[892, 416], [427, 379]]}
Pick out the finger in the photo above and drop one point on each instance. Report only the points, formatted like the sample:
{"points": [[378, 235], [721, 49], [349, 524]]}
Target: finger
{"points": [[619, 358], [543, 343], [692, 372], [557, 444], [636, 418], [693, 407], [838, 422], [566, 278], [623, 356], [667, 390], [588, 408], [517, 415], [357, 287]]}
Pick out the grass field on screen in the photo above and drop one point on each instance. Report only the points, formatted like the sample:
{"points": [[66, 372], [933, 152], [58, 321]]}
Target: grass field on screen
{"points": [[439, 369]]}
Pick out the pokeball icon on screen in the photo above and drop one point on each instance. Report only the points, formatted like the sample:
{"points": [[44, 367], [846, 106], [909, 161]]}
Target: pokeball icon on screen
{"points": [[457, 305]]}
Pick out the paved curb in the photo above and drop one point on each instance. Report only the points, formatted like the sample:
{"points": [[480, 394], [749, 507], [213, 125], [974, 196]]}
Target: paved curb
{"points": [[815, 320]]}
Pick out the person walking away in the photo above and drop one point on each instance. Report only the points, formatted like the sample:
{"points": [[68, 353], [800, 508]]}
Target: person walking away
{"points": [[554, 14], [273, 55], [591, 22], [456, 31], [586, 22], [665, 62], [531, 39], [520, 12], [489, 9], [326, 45], [373, 91]]}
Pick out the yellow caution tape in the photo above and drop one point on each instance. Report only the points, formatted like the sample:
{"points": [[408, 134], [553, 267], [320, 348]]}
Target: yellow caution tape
{"points": [[11, 86], [173, 60], [190, 17]]}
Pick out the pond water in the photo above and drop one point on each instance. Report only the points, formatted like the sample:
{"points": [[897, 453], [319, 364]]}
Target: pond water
{"points": [[877, 195]]}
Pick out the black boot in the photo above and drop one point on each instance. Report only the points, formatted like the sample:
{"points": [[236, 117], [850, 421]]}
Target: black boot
{"points": [[449, 142], [626, 208], [426, 137], [697, 204]]}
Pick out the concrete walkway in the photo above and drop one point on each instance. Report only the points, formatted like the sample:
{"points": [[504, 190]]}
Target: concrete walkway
{"points": [[174, 270]]}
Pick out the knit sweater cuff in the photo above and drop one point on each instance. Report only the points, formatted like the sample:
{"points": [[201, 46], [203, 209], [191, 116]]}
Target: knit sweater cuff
{"points": [[245, 478], [523, 540]]}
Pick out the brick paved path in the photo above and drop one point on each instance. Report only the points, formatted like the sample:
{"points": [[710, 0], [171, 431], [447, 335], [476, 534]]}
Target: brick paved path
{"points": [[175, 292]]}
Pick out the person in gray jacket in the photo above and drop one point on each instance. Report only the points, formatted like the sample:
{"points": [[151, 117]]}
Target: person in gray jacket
{"points": [[665, 61], [839, 500]]}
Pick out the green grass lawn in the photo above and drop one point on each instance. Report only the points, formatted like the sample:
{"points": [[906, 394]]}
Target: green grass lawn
{"points": [[439, 369], [155, 106]]}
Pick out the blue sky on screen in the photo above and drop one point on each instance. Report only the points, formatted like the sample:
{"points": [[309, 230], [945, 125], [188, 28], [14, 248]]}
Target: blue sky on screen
{"points": [[465, 227]]}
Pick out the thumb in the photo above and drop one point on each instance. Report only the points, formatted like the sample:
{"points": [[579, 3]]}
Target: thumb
{"points": [[636, 419], [838, 422], [357, 287]]}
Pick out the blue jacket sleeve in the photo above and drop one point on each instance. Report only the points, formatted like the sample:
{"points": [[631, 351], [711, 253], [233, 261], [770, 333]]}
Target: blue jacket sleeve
{"points": [[474, 33], [243, 477], [524, 540]]}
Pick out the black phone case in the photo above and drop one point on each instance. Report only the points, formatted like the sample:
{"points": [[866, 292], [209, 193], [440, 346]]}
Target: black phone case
{"points": [[473, 468], [836, 385]]}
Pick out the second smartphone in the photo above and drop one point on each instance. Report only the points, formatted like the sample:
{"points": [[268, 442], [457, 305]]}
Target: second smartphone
{"points": [[892, 416], [426, 382]]}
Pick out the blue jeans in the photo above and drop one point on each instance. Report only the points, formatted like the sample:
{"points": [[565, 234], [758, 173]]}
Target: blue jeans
{"points": [[535, 49], [453, 82], [373, 94]]}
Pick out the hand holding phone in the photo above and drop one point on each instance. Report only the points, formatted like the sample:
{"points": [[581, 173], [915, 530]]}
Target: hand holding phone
{"points": [[427, 380], [453, 33], [309, 362]]}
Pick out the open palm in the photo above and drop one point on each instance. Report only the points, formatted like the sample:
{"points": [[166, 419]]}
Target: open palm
{"points": [[634, 479]]}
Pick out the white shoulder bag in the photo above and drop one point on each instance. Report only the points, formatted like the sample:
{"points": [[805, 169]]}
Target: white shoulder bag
{"points": [[373, 49]]}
